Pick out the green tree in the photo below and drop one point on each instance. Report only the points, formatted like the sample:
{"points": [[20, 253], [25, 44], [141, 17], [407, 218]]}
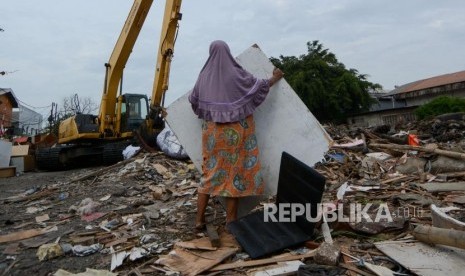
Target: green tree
{"points": [[440, 105], [325, 85]]}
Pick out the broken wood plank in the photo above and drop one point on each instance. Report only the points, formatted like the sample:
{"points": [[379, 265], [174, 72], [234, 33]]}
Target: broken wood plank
{"points": [[98, 172], [26, 234], [192, 263], [442, 187], [263, 261], [191, 245], [213, 235], [32, 197], [435, 235], [38, 241], [452, 154]]}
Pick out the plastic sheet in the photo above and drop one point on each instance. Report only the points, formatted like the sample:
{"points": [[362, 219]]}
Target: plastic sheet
{"points": [[169, 144]]}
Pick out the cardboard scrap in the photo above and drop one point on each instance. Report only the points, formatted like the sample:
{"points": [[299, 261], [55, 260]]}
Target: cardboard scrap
{"points": [[20, 150], [194, 262]]}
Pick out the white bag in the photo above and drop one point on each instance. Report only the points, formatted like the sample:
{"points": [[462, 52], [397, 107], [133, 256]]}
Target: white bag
{"points": [[169, 144]]}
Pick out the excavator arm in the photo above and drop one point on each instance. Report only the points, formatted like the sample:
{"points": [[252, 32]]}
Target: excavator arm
{"points": [[115, 66], [168, 37]]}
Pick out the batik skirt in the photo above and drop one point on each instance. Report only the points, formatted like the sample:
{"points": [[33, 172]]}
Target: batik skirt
{"points": [[231, 167]]}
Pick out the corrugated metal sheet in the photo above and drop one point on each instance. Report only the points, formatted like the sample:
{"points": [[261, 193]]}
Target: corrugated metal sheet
{"points": [[431, 82]]}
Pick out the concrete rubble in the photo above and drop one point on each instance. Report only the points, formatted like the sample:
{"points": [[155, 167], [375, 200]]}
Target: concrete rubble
{"points": [[137, 218]]}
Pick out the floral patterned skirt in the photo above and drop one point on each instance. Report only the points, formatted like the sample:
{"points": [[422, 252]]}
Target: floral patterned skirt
{"points": [[231, 167]]}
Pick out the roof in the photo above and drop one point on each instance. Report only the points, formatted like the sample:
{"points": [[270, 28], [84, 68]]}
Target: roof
{"points": [[9, 93], [430, 82]]}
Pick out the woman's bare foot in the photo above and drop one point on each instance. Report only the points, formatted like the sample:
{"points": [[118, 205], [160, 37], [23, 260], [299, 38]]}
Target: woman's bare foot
{"points": [[200, 225]]}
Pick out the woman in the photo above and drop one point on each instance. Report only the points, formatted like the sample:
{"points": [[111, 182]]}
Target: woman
{"points": [[225, 96]]}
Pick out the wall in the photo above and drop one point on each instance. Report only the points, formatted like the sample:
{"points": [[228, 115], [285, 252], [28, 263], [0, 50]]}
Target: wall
{"points": [[6, 111], [385, 117], [28, 121]]}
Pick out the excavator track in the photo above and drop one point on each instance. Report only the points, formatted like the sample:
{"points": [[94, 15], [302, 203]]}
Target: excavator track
{"points": [[112, 152], [49, 159]]}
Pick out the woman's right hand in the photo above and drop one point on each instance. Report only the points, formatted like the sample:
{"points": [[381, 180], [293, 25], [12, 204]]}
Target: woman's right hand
{"points": [[277, 75]]}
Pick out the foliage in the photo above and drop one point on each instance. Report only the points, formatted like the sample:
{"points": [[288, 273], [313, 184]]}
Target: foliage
{"points": [[440, 105], [325, 85]]}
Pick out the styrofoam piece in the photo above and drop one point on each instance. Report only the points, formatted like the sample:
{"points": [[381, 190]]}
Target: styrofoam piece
{"points": [[5, 153]]}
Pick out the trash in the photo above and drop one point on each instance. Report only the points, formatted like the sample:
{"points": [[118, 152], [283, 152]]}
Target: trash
{"points": [[170, 145], [272, 260], [316, 269], [40, 219], [63, 196], [130, 151], [147, 238], [442, 220], [434, 187], [81, 250], [339, 157], [66, 247], [355, 176], [87, 206], [412, 165], [436, 235], [428, 260], [282, 268], [88, 272], [49, 251], [327, 254], [137, 253], [413, 140], [107, 197], [193, 263], [117, 258], [92, 216], [444, 164]]}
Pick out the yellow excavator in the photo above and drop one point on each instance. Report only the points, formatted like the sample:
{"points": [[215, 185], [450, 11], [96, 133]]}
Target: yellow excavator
{"points": [[101, 138]]}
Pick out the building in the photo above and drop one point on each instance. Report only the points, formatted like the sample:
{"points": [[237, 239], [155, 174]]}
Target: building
{"points": [[399, 104], [27, 121], [8, 101]]}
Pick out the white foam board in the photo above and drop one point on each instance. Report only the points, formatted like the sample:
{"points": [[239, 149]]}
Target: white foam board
{"points": [[5, 153], [282, 122]]}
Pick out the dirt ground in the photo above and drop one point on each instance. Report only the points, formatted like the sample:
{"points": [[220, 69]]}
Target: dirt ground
{"points": [[32, 194]]}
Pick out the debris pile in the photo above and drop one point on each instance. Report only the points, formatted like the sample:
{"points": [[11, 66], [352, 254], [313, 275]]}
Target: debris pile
{"points": [[385, 201]]}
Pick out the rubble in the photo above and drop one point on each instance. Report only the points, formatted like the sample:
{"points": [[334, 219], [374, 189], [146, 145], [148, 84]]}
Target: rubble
{"points": [[137, 217]]}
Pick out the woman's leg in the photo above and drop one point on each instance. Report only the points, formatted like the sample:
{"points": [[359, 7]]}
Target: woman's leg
{"points": [[202, 202], [231, 208]]}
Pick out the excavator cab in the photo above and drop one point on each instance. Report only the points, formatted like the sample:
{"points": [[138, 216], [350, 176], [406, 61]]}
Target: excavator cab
{"points": [[134, 111]]}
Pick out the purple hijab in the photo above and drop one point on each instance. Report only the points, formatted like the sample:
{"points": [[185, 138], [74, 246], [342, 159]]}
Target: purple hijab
{"points": [[224, 91]]}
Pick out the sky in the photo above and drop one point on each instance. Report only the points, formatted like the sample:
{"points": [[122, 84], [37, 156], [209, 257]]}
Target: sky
{"points": [[52, 49]]}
